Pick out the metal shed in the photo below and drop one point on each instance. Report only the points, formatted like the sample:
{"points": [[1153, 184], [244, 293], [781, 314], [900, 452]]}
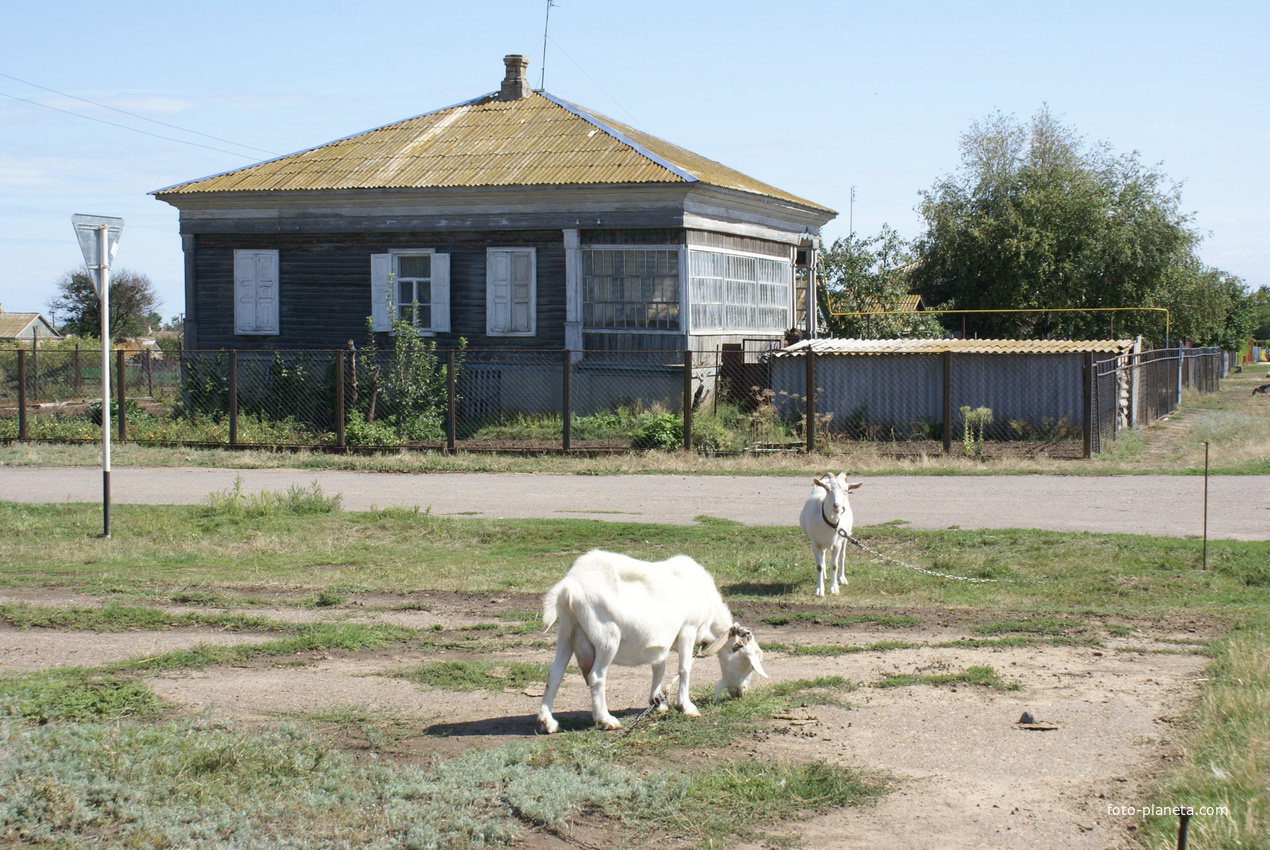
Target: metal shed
{"points": [[906, 389]]}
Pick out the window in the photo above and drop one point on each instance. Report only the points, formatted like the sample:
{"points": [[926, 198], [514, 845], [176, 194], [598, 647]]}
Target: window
{"points": [[256, 292], [631, 288], [413, 287], [510, 292], [739, 292]]}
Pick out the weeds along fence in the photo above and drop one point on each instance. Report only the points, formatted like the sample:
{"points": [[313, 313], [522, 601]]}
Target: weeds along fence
{"points": [[742, 398]]}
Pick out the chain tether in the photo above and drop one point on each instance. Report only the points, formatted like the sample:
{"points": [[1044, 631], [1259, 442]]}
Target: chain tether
{"points": [[910, 566]]}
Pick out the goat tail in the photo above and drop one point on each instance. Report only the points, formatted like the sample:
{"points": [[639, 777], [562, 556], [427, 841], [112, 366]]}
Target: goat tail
{"points": [[550, 606]]}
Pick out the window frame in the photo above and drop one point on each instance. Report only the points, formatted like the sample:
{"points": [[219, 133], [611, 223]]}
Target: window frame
{"points": [[675, 324], [385, 279]]}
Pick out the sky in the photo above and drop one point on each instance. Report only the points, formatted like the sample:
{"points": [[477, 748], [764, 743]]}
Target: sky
{"points": [[858, 106]]}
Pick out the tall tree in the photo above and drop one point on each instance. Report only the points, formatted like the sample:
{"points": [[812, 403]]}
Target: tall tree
{"points": [[1036, 220], [869, 275], [133, 304]]}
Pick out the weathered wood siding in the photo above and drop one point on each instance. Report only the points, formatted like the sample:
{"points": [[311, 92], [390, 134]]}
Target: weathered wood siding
{"points": [[325, 295]]}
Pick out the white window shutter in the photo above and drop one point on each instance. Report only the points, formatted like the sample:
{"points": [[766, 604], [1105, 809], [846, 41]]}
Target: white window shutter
{"points": [[441, 293], [498, 292], [256, 292], [509, 291], [380, 292]]}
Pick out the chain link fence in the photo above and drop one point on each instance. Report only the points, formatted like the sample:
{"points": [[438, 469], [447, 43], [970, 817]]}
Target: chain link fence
{"points": [[749, 397]]}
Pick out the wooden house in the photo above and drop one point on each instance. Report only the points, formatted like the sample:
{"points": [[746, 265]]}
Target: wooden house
{"points": [[26, 328], [514, 220]]}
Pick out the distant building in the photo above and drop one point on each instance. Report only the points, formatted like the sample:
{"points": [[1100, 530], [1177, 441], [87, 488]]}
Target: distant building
{"points": [[25, 327]]}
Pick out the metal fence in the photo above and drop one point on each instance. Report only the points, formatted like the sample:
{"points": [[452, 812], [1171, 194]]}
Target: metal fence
{"points": [[733, 399]]}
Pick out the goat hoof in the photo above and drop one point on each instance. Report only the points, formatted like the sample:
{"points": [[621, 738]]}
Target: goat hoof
{"points": [[609, 724], [548, 726], [691, 711]]}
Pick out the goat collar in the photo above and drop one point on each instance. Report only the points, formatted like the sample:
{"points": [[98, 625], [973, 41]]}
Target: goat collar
{"points": [[828, 522]]}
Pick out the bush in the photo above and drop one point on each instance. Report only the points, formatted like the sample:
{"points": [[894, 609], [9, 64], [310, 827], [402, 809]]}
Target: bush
{"points": [[130, 407], [658, 431]]}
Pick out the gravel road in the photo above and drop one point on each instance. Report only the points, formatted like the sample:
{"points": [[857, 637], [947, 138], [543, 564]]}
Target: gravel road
{"points": [[1238, 506]]}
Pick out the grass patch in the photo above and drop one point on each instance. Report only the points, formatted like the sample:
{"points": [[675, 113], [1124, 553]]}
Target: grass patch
{"points": [[475, 675], [1226, 766], [1032, 625], [76, 694], [978, 675], [887, 621]]}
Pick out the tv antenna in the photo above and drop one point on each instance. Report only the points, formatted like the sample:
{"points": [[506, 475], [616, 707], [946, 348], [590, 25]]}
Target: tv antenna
{"points": [[542, 75]]}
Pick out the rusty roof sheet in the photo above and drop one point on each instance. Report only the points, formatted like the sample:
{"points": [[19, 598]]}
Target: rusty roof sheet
{"points": [[959, 346], [539, 140]]}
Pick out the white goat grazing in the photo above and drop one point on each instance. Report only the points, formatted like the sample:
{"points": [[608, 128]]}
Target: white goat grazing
{"points": [[826, 517], [739, 659], [613, 609]]}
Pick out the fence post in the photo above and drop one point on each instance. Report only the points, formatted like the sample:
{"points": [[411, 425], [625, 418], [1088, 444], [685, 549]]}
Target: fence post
{"points": [[122, 389], [566, 401], [339, 399], [948, 402], [1087, 374], [451, 400], [35, 368], [22, 434], [233, 397], [687, 400], [811, 400], [79, 375]]}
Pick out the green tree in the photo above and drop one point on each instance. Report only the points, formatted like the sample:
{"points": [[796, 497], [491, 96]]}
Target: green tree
{"points": [[1037, 220], [859, 274], [1259, 302], [133, 304]]}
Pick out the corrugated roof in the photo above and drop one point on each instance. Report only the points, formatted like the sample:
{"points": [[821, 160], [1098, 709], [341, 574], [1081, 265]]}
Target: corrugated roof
{"points": [[14, 325], [959, 346], [538, 140]]}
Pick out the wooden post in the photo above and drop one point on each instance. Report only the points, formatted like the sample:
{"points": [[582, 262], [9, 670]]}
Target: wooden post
{"points": [[948, 402], [566, 401], [121, 390], [687, 403], [22, 426], [451, 398], [339, 399], [233, 398], [811, 400]]}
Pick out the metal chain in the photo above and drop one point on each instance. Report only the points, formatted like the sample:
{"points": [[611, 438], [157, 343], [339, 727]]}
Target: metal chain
{"points": [[875, 552], [630, 727]]}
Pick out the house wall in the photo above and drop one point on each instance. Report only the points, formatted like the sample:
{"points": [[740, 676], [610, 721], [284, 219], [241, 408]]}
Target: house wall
{"points": [[325, 294]]}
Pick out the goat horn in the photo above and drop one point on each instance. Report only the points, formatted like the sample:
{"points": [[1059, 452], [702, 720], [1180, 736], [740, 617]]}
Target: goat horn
{"points": [[714, 648]]}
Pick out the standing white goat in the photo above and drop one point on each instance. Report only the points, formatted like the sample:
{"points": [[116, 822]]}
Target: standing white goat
{"points": [[826, 517], [613, 609]]}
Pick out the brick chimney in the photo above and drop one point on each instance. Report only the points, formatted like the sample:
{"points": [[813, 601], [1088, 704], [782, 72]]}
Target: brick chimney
{"points": [[515, 83]]}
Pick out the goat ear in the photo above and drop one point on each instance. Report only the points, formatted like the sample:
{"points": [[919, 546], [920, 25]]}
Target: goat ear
{"points": [[755, 655], [856, 486], [819, 483]]}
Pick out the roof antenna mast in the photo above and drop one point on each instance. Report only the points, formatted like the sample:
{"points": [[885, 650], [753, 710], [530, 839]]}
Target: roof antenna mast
{"points": [[542, 75]]}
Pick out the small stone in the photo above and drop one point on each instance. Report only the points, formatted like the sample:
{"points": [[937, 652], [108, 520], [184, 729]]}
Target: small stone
{"points": [[1027, 718]]}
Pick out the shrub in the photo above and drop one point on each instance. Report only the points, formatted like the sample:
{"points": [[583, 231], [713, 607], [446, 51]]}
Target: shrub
{"points": [[658, 431]]}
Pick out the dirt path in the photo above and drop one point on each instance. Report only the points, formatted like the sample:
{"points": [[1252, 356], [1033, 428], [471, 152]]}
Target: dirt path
{"points": [[965, 773]]}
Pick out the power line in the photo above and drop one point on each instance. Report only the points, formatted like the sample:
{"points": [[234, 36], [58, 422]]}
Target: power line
{"points": [[131, 115]]}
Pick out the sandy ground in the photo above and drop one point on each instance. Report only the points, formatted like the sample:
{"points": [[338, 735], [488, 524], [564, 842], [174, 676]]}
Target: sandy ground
{"points": [[965, 773]]}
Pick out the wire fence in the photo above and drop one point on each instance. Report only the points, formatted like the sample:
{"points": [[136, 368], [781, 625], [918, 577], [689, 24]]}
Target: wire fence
{"points": [[738, 398]]}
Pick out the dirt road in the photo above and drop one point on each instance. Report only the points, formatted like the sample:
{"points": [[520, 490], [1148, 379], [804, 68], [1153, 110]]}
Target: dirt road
{"points": [[1238, 507]]}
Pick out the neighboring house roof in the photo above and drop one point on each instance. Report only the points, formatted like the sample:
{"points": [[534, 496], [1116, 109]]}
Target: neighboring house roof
{"points": [[533, 139], [901, 303], [25, 326], [959, 346]]}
